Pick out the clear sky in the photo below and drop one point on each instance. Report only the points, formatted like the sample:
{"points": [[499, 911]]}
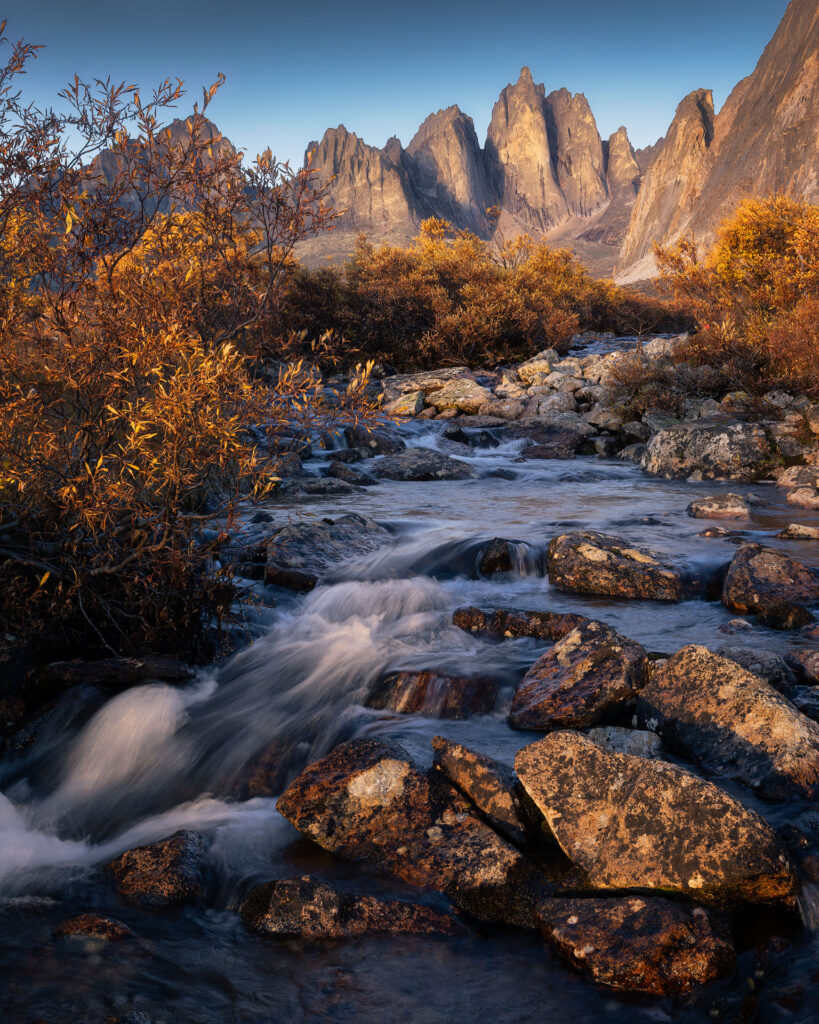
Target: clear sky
{"points": [[294, 69]]}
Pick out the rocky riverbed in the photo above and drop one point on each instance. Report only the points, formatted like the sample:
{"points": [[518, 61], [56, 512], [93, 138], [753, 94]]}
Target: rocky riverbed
{"points": [[531, 703]]}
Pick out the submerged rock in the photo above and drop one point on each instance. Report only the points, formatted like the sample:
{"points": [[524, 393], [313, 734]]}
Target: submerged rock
{"points": [[94, 926], [309, 908], [422, 464], [765, 581], [595, 563], [589, 674], [435, 694], [489, 785], [299, 555], [510, 623], [633, 823], [499, 556], [715, 712], [639, 944], [163, 874], [114, 673], [720, 506], [374, 441], [366, 802], [710, 450]]}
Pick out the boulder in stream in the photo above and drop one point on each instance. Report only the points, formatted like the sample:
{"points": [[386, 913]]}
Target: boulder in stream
{"points": [[729, 720], [164, 874], [805, 662], [720, 506], [711, 450], [594, 563], [508, 622], [766, 582], [94, 926], [422, 464], [633, 823], [309, 908], [366, 801], [435, 694], [638, 943], [591, 673], [299, 555], [500, 556]]}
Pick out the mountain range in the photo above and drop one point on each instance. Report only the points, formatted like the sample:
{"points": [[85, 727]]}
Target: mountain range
{"points": [[545, 167]]}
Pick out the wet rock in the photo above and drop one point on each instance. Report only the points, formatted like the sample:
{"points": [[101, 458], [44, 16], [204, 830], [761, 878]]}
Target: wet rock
{"points": [[462, 395], [406, 405], [313, 486], [806, 701], [94, 926], [423, 464], [163, 874], [764, 580], [719, 533], [604, 418], [629, 822], [345, 472], [511, 623], [711, 450], [618, 740], [594, 563], [299, 555], [374, 441], [309, 908], [435, 695], [805, 662], [803, 497], [499, 556], [632, 453], [798, 531], [115, 674], [720, 506], [46, 730], [590, 674], [639, 944], [489, 785], [546, 440], [716, 713], [365, 801], [763, 663]]}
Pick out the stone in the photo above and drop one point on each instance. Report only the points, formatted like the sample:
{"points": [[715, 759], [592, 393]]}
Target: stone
{"points": [[714, 450], [462, 395], [617, 739], [490, 786], [365, 801], [374, 441], [435, 695], [300, 555], [639, 944], [315, 487], [604, 418], [634, 823], [426, 382], [805, 662], [538, 367], [343, 471], [501, 556], [504, 622], [763, 663], [163, 874], [720, 506], [803, 497], [309, 908], [595, 563], [798, 531], [506, 409], [716, 713], [94, 926], [422, 464], [114, 674], [812, 418], [590, 674], [547, 405], [761, 580], [406, 405]]}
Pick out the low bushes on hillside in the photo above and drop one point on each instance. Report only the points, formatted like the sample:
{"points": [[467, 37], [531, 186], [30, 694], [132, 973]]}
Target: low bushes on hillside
{"points": [[452, 298]]}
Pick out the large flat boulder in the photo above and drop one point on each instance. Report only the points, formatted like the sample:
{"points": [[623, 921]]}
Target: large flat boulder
{"points": [[422, 464], [507, 622], [366, 801], [639, 944], [591, 674], [462, 395], [309, 908], [301, 554], [426, 382], [717, 713], [633, 823], [765, 581], [711, 450], [588, 562], [720, 506]]}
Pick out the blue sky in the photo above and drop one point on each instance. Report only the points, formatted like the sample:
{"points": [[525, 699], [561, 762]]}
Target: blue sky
{"points": [[295, 69]]}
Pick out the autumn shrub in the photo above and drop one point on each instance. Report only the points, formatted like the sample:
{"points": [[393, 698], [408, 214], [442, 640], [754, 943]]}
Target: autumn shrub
{"points": [[138, 269], [451, 297], [755, 295]]}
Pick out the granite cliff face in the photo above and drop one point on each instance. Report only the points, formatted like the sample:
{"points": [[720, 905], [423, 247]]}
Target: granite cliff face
{"points": [[546, 168], [764, 139]]}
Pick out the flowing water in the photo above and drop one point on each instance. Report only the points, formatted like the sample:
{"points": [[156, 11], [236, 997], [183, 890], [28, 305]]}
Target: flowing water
{"points": [[156, 758]]}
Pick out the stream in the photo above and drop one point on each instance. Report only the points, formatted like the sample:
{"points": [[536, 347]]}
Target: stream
{"points": [[158, 758]]}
